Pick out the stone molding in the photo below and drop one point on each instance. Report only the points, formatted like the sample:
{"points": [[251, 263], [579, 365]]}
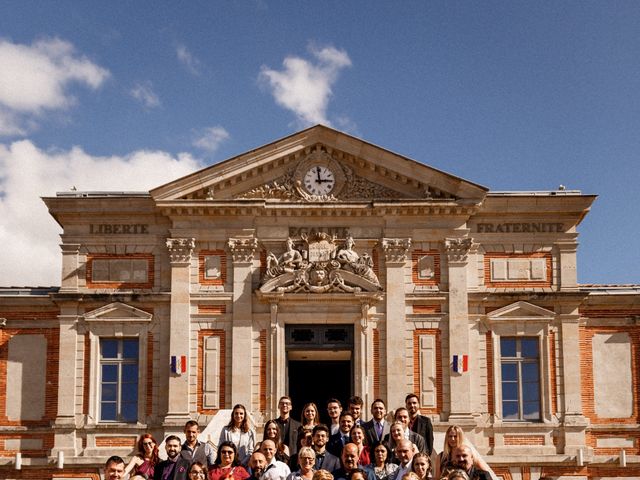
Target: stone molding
{"points": [[180, 249], [457, 249], [396, 249], [242, 249]]}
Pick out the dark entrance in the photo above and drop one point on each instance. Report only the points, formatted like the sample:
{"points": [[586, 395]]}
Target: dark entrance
{"points": [[317, 381], [319, 365]]}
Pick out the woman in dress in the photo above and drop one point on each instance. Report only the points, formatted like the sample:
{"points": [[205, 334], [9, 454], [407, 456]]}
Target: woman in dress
{"points": [[272, 432], [197, 471], [239, 432], [421, 465], [227, 466], [382, 466], [357, 436], [143, 463], [454, 437], [306, 463]]}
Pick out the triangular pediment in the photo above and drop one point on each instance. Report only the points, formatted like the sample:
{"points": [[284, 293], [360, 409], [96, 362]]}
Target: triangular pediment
{"points": [[319, 164], [521, 311], [118, 312]]}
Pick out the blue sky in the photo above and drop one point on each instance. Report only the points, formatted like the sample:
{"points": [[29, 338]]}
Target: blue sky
{"points": [[513, 95]]}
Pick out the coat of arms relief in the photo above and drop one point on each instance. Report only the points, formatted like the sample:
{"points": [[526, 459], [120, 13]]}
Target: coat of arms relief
{"points": [[319, 265]]}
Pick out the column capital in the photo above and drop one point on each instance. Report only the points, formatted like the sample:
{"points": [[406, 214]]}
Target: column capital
{"points": [[457, 249], [396, 249], [180, 249], [242, 249], [70, 248]]}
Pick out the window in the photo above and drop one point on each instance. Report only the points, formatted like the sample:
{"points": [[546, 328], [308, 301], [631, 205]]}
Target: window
{"points": [[520, 367], [118, 380], [125, 270], [212, 267]]}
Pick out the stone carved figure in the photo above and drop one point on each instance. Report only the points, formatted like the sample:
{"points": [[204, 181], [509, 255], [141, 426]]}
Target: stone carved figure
{"points": [[352, 262], [323, 268], [289, 261]]}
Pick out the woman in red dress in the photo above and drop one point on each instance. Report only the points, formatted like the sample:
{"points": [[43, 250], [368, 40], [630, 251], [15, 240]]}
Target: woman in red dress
{"points": [[358, 437], [227, 466], [144, 462]]}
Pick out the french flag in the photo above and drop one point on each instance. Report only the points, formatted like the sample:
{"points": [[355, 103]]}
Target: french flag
{"points": [[178, 364], [460, 363]]}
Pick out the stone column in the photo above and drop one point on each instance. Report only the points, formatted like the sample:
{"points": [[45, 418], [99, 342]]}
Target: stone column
{"points": [[457, 250], [242, 251], [363, 356], [70, 264], [179, 331], [65, 423], [395, 252]]}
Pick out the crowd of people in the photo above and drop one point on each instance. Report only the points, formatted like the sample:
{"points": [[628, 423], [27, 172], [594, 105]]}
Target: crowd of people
{"points": [[347, 448]]}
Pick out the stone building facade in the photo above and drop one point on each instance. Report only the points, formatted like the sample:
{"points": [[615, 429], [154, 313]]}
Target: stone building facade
{"points": [[321, 265]]}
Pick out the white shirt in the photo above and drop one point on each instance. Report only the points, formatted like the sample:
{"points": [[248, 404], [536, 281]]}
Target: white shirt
{"points": [[276, 470]]}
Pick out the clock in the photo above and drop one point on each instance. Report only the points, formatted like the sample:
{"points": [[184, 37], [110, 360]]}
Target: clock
{"points": [[319, 180]]}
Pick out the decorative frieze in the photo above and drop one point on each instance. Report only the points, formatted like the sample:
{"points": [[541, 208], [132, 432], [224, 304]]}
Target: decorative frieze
{"points": [[180, 249], [396, 249], [320, 267], [457, 249], [242, 249]]}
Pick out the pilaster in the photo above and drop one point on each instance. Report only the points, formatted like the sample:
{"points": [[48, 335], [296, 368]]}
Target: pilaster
{"points": [[242, 251], [65, 424], [70, 264], [395, 252], [568, 258], [180, 250], [457, 251], [574, 422]]}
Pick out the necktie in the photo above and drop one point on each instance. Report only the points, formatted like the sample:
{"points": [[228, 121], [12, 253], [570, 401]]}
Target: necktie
{"points": [[379, 430]]}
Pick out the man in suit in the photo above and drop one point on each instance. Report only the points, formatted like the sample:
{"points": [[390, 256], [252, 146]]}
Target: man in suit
{"points": [[419, 423], [288, 426], [349, 460], [355, 408], [340, 439], [376, 428], [324, 459], [463, 457], [174, 467]]}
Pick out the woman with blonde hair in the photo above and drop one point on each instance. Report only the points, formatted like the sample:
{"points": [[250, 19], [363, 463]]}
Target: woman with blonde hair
{"points": [[421, 466], [454, 438], [306, 464]]}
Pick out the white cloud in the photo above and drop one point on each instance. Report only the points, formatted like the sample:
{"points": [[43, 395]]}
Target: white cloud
{"points": [[211, 138], [303, 86], [144, 93], [188, 59], [30, 254], [35, 78]]}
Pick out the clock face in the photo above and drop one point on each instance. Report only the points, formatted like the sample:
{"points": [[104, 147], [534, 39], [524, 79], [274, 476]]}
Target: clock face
{"points": [[319, 180]]}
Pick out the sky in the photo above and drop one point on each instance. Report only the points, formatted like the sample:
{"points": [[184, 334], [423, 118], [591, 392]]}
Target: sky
{"points": [[512, 95]]}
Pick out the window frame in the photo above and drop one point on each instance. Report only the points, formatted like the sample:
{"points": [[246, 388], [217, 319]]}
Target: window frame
{"points": [[519, 320], [120, 321], [120, 361], [518, 360]]}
